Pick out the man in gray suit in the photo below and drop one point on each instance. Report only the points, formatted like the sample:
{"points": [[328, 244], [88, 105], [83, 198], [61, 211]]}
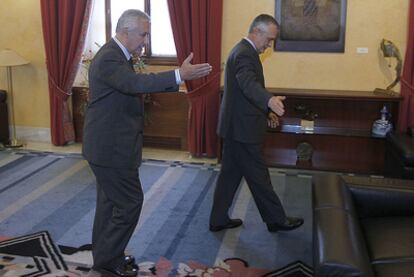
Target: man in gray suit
{"points": [[245, 107], [112, 142]]}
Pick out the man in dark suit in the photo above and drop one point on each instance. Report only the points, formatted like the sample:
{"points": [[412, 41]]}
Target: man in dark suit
{"points": [[245, 108], [112, 142]]}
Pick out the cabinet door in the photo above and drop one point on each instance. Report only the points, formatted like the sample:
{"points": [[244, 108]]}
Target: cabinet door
{"points": [[329, 152]]}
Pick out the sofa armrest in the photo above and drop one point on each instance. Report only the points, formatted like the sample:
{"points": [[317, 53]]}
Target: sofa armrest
{"points": [[329, 193], [339, 245]]}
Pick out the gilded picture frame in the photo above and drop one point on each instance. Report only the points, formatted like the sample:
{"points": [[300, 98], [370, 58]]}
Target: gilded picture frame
{"points": [[311, 25]]}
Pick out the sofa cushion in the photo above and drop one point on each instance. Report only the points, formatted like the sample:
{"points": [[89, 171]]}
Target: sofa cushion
{"points": [[394, 269], [383, 201], [389, 239]]}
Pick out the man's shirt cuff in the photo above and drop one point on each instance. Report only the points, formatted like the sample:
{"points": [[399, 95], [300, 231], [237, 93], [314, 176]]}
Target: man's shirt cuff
{"points": [[178, 77]]}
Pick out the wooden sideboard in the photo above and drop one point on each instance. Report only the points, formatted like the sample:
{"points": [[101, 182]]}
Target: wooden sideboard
{"points": [[166, 122], [341, 139]]}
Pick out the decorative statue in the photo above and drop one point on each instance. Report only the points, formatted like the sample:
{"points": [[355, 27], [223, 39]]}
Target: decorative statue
{"points": [[390, 50], [383, 125]]}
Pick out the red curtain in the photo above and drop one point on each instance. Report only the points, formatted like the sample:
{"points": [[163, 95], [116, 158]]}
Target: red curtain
{"points": [[406, 117], [64, 25], [196, 27]]}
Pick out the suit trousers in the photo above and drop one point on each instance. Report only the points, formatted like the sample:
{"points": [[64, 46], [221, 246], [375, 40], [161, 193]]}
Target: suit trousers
{"points": [[245, 160], [118, 206]]}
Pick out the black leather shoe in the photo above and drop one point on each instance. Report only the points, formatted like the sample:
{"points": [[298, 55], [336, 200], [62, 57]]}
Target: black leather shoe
{"points": [[289, 224], [125, 270], [129, 260], [233, 223]]}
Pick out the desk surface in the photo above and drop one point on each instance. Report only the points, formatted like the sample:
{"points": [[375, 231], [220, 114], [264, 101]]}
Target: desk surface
{"points": [[334, 94]]}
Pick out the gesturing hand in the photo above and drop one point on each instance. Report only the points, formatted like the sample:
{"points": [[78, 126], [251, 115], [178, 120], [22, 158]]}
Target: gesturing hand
{"points": [[190, 71], [276, 105]]}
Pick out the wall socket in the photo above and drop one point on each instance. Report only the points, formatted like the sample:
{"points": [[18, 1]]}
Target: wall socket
{"points": [[362, 50]]}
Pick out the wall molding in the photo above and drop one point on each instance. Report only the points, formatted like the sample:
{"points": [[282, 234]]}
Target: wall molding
{"points": [[25, 134]]}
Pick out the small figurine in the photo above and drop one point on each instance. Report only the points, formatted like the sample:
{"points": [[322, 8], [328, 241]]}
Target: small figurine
{"points": [[382, 126]]}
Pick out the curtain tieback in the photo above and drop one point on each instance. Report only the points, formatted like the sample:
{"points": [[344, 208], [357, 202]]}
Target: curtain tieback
{"points": [[58, 87], [411, 87]]}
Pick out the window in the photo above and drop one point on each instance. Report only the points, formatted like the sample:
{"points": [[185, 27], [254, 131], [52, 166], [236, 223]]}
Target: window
{"points": [[105, 14]]}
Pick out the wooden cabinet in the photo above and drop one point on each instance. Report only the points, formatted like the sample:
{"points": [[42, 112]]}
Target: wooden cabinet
{"points": [[166, 118], [167, 121], [341, 139]]}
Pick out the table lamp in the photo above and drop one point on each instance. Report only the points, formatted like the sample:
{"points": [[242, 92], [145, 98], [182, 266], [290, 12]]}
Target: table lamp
{"points": [[8, 59]]}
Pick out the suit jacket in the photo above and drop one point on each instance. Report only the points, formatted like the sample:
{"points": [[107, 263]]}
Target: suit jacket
{"points": [[114, 119], [243, 111]]}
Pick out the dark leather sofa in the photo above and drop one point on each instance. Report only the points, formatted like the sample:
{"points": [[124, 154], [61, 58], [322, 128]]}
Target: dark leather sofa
{"points": [[363, 226], [4, 119], [399, 155]]}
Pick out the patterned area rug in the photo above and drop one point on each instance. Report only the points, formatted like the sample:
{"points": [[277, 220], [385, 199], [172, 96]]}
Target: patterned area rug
{"points": [[47, 191], [31, 255], [37, 255]]}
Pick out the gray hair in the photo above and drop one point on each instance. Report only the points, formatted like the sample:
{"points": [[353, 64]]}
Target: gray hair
{"points": [[261, 21], [129, 18]]}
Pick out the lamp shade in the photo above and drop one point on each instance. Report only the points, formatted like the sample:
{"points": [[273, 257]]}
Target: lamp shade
{"points": [[10, 58]]}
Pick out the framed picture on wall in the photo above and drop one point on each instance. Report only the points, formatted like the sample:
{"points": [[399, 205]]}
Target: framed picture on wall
{"points": [[311, 25]]}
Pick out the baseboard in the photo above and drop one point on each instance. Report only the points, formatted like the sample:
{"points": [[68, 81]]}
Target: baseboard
{"points": [[25, 134]]}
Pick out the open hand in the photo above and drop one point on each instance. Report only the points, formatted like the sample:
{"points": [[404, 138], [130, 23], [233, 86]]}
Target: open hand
{"points": [[190, 71], [276, 105]]}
